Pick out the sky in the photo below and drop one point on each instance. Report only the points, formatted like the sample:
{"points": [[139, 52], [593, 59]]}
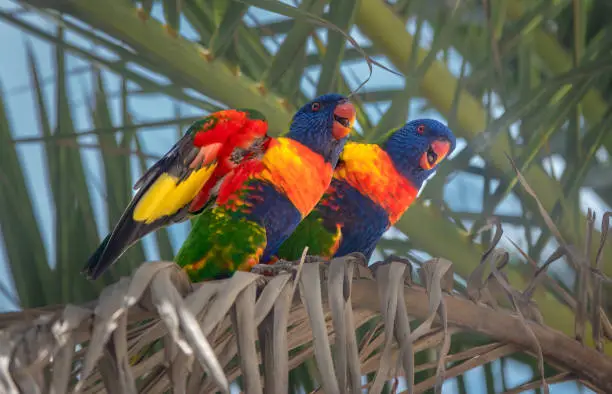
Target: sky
{"points": [[462, 193]]}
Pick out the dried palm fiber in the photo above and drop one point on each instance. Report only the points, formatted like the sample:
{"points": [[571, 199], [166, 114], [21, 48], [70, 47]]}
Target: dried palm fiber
{"points": [[279, 322]]}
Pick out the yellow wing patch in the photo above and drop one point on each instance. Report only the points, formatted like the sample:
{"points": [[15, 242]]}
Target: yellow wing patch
{"points": [[165, 197]]}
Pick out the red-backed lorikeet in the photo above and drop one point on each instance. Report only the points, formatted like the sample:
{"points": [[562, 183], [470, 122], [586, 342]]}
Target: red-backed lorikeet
{"points": [[250, 190], [372, 186]]}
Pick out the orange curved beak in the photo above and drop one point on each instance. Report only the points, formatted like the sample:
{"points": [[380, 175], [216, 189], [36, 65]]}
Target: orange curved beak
{"points": [[344, 118], [436, 152]]}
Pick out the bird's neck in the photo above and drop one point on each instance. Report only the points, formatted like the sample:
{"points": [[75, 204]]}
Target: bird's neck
{"points": [[404, 162], [320, 143]]}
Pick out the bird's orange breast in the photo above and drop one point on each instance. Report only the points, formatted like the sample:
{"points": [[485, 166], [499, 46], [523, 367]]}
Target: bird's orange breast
{"points": [[369, 169], [296, 171]]}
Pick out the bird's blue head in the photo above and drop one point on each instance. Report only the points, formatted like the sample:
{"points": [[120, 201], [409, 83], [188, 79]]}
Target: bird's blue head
{"points": [[418, 147], [323, 125]]}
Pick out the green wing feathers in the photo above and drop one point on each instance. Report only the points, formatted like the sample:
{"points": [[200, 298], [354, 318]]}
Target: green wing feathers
{"points": [[312, 233], [220, 244]]}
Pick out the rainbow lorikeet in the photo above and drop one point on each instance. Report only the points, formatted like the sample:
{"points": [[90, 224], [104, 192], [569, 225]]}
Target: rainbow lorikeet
{"points": [[250, 190], [372, 186]]}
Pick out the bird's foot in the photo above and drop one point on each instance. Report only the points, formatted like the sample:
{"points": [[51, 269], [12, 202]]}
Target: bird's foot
{"points": [[274, 269], [314, 260]]}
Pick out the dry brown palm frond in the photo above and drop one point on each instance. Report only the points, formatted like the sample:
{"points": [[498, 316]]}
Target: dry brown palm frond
{"points": [[219, 330]]}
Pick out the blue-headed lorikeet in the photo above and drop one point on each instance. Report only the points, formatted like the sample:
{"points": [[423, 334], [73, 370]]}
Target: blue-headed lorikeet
{"points": [[372, 186], [250, 190]]}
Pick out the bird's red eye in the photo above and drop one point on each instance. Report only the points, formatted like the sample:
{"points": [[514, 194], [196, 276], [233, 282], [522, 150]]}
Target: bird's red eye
{"points": [[315, 106], [421, 129]]}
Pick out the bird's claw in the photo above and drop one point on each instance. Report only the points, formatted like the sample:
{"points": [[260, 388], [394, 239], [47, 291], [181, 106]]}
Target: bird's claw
{"points": [[314, 260], [273, 269]]}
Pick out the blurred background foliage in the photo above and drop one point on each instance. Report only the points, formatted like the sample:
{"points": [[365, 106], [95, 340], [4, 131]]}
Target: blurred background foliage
{"points": [[93, 92]]}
